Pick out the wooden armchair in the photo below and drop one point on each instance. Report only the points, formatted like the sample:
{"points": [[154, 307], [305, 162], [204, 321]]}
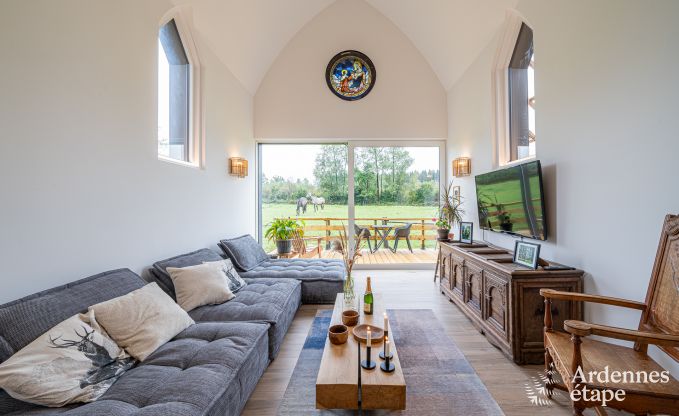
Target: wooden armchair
{"points": [[300, 249], [573, 355]]}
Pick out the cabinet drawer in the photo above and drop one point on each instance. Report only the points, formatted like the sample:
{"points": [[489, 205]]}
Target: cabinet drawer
{"points": [[457, 276], [473, 292], [496, 303]]}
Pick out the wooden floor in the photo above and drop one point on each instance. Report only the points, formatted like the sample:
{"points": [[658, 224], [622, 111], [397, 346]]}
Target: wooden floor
{"points": [[515, 388], [384, 256]]}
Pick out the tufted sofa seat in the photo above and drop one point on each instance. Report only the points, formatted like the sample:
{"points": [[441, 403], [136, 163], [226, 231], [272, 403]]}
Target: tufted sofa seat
{"points": [[322, 279], [274, 301], [208, 369]]}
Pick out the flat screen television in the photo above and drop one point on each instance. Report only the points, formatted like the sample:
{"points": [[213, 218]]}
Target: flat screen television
{"points": [[511, 201]]}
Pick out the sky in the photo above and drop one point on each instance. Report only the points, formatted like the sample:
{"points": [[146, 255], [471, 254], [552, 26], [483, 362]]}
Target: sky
{"points": [[297, 161]]}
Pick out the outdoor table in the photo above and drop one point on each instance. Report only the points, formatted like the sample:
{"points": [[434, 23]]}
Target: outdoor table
{"points": [[382, 231]]}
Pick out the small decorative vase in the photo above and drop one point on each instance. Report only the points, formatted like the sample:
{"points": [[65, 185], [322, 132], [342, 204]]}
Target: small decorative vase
{"points": [[349, 294]]}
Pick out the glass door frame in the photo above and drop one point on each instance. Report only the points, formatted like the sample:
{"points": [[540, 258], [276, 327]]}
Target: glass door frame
{"points": [[351, 208]]}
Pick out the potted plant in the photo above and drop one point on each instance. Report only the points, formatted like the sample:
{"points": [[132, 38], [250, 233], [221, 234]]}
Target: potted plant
{"points": [[450, 213], [442, 227], [281, 230], [504, 218]]}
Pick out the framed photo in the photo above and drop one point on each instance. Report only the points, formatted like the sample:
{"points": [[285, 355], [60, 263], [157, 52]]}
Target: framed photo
{"points": [[456, 193], [350, 75], [527, 254], [466, 232]]}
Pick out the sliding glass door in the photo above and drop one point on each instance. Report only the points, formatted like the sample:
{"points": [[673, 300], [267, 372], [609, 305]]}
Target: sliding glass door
{"points": [[387, 194]]}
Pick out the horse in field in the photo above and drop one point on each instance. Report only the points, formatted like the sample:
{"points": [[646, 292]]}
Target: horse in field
{"points": [[301, 205], [317, 201]]}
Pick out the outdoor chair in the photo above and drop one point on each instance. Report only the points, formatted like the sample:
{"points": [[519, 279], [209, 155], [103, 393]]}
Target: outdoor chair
{"points": [[300, 249], [402, 232], [364, 233]]}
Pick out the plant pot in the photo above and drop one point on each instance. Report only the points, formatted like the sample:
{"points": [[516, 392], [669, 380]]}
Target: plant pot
{"points": [[506, 226], [443, 233], [284, 246]]}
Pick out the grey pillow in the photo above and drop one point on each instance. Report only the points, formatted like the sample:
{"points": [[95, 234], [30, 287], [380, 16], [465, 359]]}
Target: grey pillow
{"points": [[244, 251]]}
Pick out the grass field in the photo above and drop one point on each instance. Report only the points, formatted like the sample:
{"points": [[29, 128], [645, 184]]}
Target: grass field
{"points": [[271, 211]]}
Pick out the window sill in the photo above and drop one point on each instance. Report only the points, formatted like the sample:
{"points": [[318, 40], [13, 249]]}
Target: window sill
{"points": [[179, 162]]}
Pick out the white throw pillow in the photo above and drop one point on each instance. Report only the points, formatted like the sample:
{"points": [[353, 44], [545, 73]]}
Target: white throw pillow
{"points": [[202, 284], [70, 363], [142, 320], [236, 282]]}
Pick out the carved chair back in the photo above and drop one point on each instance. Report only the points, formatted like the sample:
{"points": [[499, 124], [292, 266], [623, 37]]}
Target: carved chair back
{"points": [[662, 298]]}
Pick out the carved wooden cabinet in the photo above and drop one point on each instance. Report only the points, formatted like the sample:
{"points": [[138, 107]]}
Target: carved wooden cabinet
{"points": [[503, 299]]}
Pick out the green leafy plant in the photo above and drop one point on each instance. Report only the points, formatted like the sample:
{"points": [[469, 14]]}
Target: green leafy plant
{"points": [[283, 229], [442, 223], [503, 216], [451, 206]]}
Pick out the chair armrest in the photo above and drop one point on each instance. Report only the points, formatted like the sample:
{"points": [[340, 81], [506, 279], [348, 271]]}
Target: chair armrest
{"points": [[317, 238], [584, 329], [583, 297]]}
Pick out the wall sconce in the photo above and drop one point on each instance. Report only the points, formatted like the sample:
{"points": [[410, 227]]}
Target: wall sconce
{"points": [[462, 166], [238, 166]]}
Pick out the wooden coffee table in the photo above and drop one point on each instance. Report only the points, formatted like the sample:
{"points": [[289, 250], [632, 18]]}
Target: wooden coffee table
{"points": [[337, 381]]}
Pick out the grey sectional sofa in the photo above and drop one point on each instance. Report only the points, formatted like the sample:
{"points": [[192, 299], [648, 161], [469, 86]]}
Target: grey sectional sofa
{"points": [[208, 369], [274, 301], [322, 279], [212, 367]]}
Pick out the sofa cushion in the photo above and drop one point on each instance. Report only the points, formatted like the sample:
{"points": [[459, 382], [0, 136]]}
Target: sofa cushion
{"points": [[142, 320], [208, 369], [202, 284], [73, 362], [244, 251], [24, 320], [300, 269], [274, 301], [182, 260], [322, 279]]}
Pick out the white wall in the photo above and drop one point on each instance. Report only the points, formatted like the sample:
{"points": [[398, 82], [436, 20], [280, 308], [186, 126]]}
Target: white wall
{"points": [[607, 101], [82, 190], [293, 100]]}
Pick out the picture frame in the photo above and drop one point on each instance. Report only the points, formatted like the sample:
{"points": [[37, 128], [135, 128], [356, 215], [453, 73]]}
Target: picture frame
{"points": [[456, 193], [526, 254], [467, 232]]}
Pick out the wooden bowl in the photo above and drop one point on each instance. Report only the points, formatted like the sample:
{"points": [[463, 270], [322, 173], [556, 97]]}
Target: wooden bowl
{"points": [[361, 334], [338, 334], [350, 317]]}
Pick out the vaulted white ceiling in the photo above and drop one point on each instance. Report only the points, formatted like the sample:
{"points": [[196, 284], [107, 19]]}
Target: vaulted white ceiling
{"points": [[248, 35]]}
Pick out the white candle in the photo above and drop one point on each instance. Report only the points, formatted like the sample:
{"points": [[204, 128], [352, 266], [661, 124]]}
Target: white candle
{"points": [[386, 348], [386, 323], [369, 341]]}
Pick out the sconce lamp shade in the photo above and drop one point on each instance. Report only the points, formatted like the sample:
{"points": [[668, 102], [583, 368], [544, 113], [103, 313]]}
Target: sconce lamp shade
{"points": [[238, 167], [462, 166]]}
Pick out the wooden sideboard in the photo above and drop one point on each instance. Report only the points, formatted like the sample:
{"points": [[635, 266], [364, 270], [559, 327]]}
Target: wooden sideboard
{"points": [[502, 299]]}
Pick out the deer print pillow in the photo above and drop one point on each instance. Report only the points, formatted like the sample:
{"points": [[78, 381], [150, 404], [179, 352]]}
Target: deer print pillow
{"points": [[72, 362]]}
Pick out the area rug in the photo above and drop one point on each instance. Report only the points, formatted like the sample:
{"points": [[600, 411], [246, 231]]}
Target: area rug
{"points": [[439, 379]]}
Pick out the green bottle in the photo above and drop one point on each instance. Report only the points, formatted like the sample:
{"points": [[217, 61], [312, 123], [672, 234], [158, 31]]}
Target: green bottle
{"points": [[368, 299]]}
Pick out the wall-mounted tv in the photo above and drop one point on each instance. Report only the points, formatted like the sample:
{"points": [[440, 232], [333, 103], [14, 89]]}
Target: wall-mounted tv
{"points": [[511, 201]]}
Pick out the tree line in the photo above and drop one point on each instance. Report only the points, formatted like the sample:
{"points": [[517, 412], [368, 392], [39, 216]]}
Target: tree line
{"points": [[381, 178]]}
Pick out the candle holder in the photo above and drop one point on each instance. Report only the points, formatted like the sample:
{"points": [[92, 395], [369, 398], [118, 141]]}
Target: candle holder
{"points": [[391, 355], [387, 366], [368, 363]]}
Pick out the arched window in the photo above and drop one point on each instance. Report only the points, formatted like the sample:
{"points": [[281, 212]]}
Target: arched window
{"points": [[514, 94], [179, 118]]}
